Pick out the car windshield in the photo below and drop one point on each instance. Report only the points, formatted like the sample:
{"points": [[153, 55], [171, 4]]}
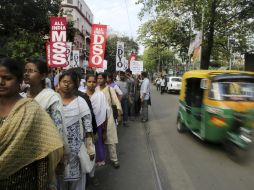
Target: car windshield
{"points": [[232, 91], [176, 79]]}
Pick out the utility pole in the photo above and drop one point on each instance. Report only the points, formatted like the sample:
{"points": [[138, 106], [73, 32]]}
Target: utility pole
{"points": [[230, 46]]}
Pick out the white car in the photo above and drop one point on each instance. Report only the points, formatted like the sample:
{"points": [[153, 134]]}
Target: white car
{"points": [[174, 84]]}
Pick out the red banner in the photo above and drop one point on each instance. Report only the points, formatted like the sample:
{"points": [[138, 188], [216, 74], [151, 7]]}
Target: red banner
{"points": [[133, 56], [57, 57], [97, 45]]}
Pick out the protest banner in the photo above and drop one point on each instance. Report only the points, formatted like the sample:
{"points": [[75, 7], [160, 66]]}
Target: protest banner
{"points": [[120, 56], [68, 52], [136, 67], [57, 54], [97, 45], [75, 59], [126, 64]]}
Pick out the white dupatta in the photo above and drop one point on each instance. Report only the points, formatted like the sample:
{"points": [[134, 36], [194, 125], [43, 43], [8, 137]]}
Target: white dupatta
{"points": [[100, 106], [47, 97], [75, 110]]}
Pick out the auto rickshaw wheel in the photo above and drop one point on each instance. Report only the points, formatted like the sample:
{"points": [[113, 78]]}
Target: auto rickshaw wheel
{"points": [[180, 126], [234, 152]]}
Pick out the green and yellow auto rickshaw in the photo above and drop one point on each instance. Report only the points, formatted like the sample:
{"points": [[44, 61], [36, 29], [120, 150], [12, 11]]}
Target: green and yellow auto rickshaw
{"points": [[218, 106]]}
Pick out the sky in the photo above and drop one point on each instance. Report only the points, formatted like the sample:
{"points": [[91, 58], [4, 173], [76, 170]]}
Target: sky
{"points": [[114, 13]]}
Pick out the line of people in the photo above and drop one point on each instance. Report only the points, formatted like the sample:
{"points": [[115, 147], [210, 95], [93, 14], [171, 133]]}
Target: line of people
{"points": [[43, 131]]}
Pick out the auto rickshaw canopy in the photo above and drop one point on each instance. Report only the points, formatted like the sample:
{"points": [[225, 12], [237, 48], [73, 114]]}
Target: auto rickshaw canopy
{"points": [[205, 74]]}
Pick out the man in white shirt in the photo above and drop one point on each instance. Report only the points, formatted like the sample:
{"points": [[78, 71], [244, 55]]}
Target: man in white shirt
{"points": [[158, 83], [163, 84], [145, 96]]}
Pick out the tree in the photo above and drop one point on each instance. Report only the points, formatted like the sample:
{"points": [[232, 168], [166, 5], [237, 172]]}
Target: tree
{"points": [[221, 19], [110, 53], [156, 59], [24, 24], [29, 15]]}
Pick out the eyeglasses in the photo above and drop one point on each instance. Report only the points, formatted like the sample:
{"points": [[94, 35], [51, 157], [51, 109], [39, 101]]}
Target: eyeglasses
{"points": [[30, 71]]}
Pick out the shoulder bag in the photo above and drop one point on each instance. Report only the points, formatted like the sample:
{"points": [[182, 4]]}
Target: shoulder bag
{"points": [[114, 108]]}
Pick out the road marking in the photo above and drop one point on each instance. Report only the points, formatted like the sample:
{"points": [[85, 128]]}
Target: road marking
{"points": [[151, 154]]}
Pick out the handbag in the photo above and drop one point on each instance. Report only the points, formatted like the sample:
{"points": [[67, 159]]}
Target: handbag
{"points": [[114, 108], [86, 163]]}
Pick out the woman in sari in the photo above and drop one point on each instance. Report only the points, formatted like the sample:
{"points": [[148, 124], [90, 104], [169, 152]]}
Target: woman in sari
{"points": [[30, 145], [78, 127], [111, 137]]}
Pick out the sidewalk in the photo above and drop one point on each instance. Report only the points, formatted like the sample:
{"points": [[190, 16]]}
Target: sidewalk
{"points": [[135, 172]]}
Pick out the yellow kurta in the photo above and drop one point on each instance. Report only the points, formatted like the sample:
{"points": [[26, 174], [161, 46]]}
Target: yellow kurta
{"points": [[111, 125]]}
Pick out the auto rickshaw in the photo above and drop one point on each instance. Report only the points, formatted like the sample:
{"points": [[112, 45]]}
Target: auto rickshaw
{"points": [[218, 106]]}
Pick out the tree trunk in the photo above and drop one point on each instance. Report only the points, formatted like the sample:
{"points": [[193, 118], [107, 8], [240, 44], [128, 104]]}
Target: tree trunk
{"points": [[207, 49]]}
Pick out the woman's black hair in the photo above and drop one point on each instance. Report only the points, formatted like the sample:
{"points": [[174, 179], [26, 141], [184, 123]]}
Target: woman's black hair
{"points": [[90, 75], [16, 68], [78, 71], [42, 67], [74, 77], [104, 75], [110, 75], [40, 63]]}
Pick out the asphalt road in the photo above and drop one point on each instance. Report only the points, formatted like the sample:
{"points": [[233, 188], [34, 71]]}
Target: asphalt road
{"points": [[155, 156]]}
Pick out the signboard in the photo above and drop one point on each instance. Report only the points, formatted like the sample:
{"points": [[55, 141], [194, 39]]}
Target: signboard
{"points": [[68, 52], [136, 67], [97, 45], [126, 64], [120, 56], [57, 55], [75, 59]]}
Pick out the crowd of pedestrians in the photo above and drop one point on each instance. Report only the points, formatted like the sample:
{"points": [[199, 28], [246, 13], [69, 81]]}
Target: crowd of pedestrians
{"points": [[57, 127]]}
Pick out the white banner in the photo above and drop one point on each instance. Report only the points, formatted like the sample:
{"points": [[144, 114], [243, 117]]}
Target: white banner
{"points": [[136, 67], [120, 56], [126, 64], [75, 59], [68, 52]]}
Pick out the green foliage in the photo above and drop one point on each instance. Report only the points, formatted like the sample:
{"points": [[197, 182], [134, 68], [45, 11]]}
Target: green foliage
{"points": [[222, 19], [24, 24], [110, 53], [31, 16], [156, 57], [24, 47]]}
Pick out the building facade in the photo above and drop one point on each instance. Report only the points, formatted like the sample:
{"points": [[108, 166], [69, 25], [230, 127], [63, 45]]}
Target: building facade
{"points": [[80, 14]]}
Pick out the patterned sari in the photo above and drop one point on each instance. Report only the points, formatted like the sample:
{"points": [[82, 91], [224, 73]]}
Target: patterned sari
{"points": [[28, 135]]}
